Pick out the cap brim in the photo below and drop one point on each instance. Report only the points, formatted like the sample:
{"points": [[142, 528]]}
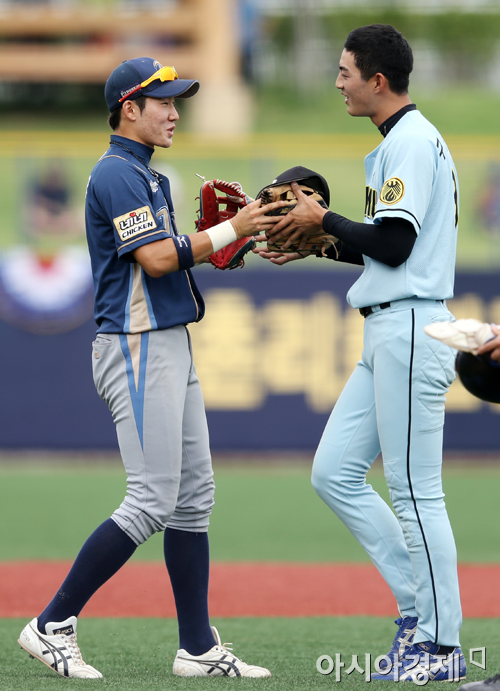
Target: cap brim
{"points": [[321, 189], [307, 176], [179, 88]]}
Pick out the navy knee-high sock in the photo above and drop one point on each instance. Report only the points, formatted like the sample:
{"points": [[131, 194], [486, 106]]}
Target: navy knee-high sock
{"points": [[102, 555], [187, 559]]}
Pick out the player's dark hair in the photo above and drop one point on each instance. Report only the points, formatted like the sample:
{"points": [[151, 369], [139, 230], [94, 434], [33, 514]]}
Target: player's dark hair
{"points": [[381, 48], [115, 116]]}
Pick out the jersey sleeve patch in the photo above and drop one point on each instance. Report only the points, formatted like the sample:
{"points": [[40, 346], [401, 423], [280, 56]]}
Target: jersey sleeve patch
{"points": [[135, 222], [392, 191]]}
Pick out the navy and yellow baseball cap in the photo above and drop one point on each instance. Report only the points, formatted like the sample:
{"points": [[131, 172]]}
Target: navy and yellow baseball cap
{"points": [[146, 77]]}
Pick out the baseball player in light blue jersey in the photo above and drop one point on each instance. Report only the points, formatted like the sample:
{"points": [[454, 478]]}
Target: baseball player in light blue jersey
{"points": [[394, 401], [145, 295]]}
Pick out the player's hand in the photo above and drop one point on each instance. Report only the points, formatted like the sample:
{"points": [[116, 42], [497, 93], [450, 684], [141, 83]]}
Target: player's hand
{"points": [[493, 345], [305, 219], [275, 257], [252, 219]]}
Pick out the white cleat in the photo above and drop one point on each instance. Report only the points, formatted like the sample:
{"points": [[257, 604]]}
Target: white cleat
{"points": [[464, 334], [57, 649], [219, 661]]}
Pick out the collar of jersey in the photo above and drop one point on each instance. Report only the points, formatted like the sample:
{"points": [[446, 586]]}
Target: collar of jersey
{"points": [[388, 124], [142, 150]]}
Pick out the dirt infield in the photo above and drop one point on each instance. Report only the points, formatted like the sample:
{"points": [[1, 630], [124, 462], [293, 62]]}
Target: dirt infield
{"points": [[238, 589]]}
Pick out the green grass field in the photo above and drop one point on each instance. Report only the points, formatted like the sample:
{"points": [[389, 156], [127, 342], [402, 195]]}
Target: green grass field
{"points": [[263, 512], [266, 513], [137, 654]]}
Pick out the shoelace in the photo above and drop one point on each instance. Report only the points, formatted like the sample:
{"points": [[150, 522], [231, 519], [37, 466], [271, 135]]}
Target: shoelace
{"points": [[402, 633], [226, 646], [74, 650]]}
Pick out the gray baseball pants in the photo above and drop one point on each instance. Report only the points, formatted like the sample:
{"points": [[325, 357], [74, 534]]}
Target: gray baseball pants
{"points": [[150, 385]]}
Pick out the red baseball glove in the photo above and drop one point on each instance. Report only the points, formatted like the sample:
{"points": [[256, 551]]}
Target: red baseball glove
{"points": [[215, 209]]}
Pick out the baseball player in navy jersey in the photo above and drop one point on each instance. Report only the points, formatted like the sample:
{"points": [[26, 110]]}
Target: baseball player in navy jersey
{"points": [[394, 401], [143, 368]]}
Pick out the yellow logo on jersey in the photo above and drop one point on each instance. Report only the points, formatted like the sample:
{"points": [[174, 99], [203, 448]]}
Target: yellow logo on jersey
{"points": [[135, 222], [392, 191]]}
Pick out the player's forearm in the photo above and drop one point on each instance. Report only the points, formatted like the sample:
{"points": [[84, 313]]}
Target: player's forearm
{"points": [[184, 251], [389, 242], [162, 257]]}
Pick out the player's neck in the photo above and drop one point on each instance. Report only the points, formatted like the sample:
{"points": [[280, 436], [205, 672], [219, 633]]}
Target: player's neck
{"points": [[389, 106], [127, 130]]}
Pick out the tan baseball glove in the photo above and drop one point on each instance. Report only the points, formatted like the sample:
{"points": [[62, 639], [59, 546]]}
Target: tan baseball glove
{"points": [[282, 191]]}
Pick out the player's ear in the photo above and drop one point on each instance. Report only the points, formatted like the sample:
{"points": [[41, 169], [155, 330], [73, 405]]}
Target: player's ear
{"points": [[129, 110], [380, 82]]}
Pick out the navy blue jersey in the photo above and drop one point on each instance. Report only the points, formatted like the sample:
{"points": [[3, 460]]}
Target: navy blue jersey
{"points": [[128, 206]]}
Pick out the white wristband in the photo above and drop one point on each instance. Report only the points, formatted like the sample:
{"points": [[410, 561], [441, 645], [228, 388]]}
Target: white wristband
{"points": [[221, 235]]}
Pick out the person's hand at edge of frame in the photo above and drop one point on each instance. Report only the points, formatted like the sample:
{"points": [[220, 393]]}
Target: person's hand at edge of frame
{"points": [[493, 345]]}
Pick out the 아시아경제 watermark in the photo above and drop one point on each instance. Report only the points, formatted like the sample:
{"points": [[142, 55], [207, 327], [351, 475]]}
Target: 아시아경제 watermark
{"points": [[424, 669]]}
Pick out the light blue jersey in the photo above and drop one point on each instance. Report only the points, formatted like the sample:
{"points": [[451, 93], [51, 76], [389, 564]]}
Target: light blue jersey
{"points": [[411, 175]]}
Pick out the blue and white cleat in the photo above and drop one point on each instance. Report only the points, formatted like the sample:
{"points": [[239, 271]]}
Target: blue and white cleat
{"points": [[402, 642], [420, 666]]}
